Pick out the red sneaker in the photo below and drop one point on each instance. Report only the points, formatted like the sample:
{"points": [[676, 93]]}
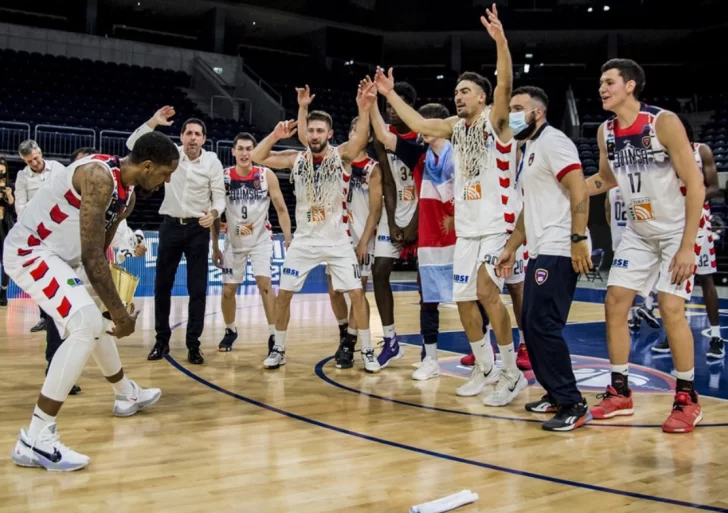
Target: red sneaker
{"points": [[685, 415], [468, 360], [523, 362], [612, 405]]}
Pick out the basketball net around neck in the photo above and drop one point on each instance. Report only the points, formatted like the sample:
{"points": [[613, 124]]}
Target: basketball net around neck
{"points": [[323, 186], [470, 149]]}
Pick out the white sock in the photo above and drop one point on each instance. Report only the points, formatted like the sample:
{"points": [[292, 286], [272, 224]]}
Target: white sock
{"points": [[231, 327], [621, 369], [280, 338], [508, 357], [342, 321], [39, 420], [687, 375], [483, 353], [715, 331], [366, 338], [649, 302], [352, 331], [123, 387], [431, 351], [521, 338], [271, 329], [389, 331]]}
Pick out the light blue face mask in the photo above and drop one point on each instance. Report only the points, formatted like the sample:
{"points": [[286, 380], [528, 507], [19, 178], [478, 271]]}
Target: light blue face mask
{"points": [[517, 121]]}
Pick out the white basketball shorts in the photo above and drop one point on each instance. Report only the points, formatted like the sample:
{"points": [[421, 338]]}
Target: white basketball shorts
{"points": [[340, 258], [470, 253], [707, 263], [235, 262], [519, 268], [365, 268], [384, 246]]}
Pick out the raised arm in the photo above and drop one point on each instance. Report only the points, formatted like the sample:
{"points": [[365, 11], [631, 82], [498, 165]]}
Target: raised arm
{"points": [[710, 172], [365, 97], [161, 117], [604, 179], [410, 117], [375, 203], [381, 134], [263, 154], [500, 112], [96, 187], [389, 189], [305, 98], [279, 203]]}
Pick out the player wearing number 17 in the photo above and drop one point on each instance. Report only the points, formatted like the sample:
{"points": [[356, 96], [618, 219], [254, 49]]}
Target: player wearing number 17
{"points": [[645, 151], [322, 236]]}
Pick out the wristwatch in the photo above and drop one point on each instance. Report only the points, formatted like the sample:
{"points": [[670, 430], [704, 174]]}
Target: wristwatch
{"points": [[575, 237]]}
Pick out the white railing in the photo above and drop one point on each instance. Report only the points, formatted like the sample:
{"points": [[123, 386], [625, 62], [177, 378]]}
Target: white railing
{"points": [[113, 142], [61, 141], [224, 153], [12, 134]]}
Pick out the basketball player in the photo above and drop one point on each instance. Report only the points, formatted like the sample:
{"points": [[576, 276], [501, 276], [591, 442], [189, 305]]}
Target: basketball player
{"points": [[554, 222], [707, 264], [397, 228], [249, 190], [69, 224], [322, 236], [645, 151], [482, 141]]}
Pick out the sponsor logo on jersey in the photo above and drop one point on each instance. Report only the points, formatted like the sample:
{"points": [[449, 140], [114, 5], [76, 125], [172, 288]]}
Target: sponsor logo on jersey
{"points": [[384, 238], [316, 215], [621, 263], [245, 229], [530, 158], [407, 194], [541, 276], [460, 278], [290, 272], [74, 282], [472, 192], [641, 210]]}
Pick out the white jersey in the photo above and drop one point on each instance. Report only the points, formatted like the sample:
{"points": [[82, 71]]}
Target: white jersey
{"points": [[358, 197], [547, 157], [705, 226], [404, 181], [618, 216], [317, 226], [247, 202], [51, 219], [482, 202], [647, 179]]}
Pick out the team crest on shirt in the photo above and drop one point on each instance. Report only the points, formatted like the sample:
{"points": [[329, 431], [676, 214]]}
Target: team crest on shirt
{"points": [[647, 141], [256, 184], [530, 158], [541, 276]]}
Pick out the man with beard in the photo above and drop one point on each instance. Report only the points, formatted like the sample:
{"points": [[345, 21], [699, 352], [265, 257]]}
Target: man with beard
{"points": [[322, 235], [193, 200], [554, 224]]}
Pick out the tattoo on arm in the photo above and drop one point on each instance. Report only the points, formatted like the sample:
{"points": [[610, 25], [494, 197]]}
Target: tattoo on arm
{"points": [[111, 232], [581, 207], [96, 187], [598, 184]]}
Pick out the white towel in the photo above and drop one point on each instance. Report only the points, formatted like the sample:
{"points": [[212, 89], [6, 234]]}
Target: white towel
{"points": [[446, 503]]}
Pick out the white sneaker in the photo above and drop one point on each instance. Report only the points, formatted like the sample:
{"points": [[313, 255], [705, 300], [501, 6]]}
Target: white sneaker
{"points": [[47, 451], [478, 379], [371, 364], [126, 406], [429, 368], [510, 384], [276, 358]]}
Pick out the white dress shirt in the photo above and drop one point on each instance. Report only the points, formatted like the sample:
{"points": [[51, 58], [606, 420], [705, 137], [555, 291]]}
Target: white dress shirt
{"points": [[196, 187], [28, 182]]}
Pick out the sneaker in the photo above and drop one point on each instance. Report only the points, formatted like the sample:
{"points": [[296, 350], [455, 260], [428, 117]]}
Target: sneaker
{"points": [[47, 451], [226, 344], [569, 417], [635, 323], [647, 316], [662, 347], [613, 404], [276, 358], [390, 352], [428, 369], [371, 362], [478, 380], [126, 406], [271, 342], [716, 350], [510, 384], [345, 355], [468, 360], [543, 405], [523, 361], [685, 415]]}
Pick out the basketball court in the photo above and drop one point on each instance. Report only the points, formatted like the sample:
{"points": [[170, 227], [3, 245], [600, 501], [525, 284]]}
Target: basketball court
{"points": [[231, 436]]}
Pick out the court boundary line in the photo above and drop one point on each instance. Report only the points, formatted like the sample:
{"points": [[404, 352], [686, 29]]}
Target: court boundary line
{"points": [[427, 452]]}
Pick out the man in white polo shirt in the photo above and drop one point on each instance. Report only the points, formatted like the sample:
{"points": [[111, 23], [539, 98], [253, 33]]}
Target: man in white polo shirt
{"points": [[193, 199], [35, 173], [554, 223]]}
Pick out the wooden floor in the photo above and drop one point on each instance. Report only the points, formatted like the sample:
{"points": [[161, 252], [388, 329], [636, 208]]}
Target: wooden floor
{"points": [[231, 436]]}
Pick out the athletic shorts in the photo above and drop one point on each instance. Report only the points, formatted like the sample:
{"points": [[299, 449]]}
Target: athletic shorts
{"points": [[470, 253], [57, 289], [302, 258], [519, 268], [366, 268], [235, 262], [383, 245], [707, 263], [638, 262]]}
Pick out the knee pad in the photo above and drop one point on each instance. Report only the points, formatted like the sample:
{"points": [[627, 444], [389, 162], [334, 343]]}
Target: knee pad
{"points": [[87, 321]]}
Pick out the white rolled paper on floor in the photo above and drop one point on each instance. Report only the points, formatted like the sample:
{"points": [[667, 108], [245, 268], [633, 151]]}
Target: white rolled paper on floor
{"points": [[446, 503]]}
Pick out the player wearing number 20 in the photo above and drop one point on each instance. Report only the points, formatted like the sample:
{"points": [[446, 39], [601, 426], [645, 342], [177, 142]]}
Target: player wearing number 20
{"points": [[645, 151]]}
